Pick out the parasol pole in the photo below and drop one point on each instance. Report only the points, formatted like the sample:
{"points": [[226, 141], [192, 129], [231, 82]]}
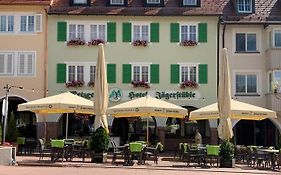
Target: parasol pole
{"points": [[66, 127], [147, 134]]}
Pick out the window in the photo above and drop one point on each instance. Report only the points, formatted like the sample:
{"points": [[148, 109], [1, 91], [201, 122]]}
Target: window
{"points": [[190, 2], [6, 63], [244, 6], [26, 63], [76, 31], [275, 80], [246, 42], [92, 73], [277, 38], [27, 23], [79, 1], [75, 73], [188, 32], [141, 32], [6, 23], [98, 31], [116, 2], [140, 73], [246, 83], [189, 73], [153, 1]]}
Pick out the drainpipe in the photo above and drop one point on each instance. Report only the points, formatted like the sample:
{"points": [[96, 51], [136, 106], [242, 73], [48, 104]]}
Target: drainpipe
{"points": [[45, 53]]}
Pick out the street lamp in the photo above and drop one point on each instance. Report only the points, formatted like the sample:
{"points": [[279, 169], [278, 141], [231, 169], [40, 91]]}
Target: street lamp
{"points": [[5, 106]]}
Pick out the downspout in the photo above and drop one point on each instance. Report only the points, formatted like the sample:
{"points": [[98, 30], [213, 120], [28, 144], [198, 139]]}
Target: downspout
{"points": [[45, 53]]}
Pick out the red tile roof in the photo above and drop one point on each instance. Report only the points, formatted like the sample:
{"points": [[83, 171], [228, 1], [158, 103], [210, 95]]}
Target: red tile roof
{"points": [[136, 8], [266, 11], [25, 2]]}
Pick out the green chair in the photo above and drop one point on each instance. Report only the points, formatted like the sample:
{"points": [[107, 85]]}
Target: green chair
{"points": [[57, 147], [213, 153], [152, 152], [21, 144], [136, 151]]}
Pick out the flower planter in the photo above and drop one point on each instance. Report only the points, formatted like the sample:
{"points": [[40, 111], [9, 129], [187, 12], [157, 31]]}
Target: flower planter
{"points": [[76, 42], [95, 42], [143, 43], [227, 163], [143, 84], [188, 43], [99, 157], [74, 84], [189, 84]]}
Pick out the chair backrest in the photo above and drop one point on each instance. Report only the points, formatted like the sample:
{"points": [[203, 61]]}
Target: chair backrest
{"points": [[213, 150], [57, 143], [113, 145], [21, 140], [68, 141], [41, 144], [135, 147]]}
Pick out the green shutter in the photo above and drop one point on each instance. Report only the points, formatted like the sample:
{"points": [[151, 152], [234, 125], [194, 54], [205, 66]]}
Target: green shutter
{"points": [[175, 73], [203, 73], [202, 32], [61, 73], [111, 32], [154, 73], [111, 73], [127, 32], [154, 32], [127, 68], [175, 32], [61, 31]]}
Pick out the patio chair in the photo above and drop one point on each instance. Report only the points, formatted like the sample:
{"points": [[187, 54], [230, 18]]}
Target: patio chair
{"points": [[42, 149], [30, 145], [213, 154], [117, 151], [190, 155], [152, 152], [57, 147], [21, 144], [136, 151]]}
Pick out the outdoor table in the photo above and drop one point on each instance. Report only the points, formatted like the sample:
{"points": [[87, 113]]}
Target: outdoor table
{"points": [[272, 153]]}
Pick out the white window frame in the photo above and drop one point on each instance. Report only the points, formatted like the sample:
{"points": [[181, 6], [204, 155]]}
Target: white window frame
{"points": [[26, 27], [94, 73], [5, 72], [25, 67], [98, 31], [274, 81], [117, 2], [244, 73], [273, 37], [141, 65], [189, 2], [7, 23], [189, 24], [76, 31], [141, 24], [86, 66], [189, 65], [246, 42], [244, 6], [153, 1], [79, 2]]}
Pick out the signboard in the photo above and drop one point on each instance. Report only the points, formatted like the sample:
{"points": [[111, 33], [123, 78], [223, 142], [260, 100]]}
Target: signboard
{"points": [[116, 94]]}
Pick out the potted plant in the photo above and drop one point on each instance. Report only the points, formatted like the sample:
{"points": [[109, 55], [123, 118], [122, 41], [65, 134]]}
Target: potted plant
{"points": [[227, 154], [99, 141]]}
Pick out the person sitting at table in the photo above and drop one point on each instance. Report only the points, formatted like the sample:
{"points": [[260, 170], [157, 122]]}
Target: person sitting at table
{"points": [[198, 137]]}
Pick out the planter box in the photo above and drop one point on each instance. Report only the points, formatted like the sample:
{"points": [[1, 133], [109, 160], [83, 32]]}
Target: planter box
{"points": [[227, 163], [8, 155], [99, 158]]}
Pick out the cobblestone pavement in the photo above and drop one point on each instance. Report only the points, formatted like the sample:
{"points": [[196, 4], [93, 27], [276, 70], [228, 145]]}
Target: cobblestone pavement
{"points": [[29, 165]]}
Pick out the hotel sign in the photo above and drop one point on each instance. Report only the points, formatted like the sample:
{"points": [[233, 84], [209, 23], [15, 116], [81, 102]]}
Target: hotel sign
{"points": [[116, 94]]}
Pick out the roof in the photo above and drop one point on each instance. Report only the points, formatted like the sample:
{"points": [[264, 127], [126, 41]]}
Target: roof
{"points": [[136, 8], [25, 2], [266, 11]]}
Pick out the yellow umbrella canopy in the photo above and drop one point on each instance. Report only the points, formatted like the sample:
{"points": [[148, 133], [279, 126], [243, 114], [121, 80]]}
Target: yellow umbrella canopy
{"points": [[61, 103], [147, 106], [238, 110]]}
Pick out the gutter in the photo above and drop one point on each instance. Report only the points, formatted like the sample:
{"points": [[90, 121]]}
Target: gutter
{"points": [[45, 54]]}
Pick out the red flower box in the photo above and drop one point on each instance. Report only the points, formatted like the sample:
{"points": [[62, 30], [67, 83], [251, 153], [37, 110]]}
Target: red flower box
{"points": [[189, 84], [140, 84], [76, 42], [74, 84], [95, 42], [143, 43], [188, 43]]}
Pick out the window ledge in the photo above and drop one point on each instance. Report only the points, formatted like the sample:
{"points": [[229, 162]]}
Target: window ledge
{"points": [[247, 52], [247, 95]]}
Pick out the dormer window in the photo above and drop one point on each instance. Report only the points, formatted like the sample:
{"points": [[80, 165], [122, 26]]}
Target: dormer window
{"points": [[244, 6], [79, 2], [153, 1], [116, 2], [189, 2]]}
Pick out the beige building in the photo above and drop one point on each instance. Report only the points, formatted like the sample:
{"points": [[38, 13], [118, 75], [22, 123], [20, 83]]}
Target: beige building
{"points": [[23, 57], [251, 32]]}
